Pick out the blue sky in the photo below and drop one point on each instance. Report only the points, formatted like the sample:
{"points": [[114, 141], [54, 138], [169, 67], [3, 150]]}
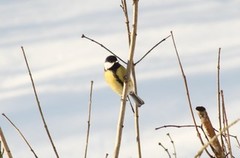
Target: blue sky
{"points": [[63, 64]]}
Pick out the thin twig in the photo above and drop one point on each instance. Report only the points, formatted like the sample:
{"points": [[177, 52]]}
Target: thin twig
{"points": [[187, 90], [165, 149], [151, 49], [211, 140], [174, 148], [23, 137], [125, 88], [89, 118], [83, 36], [5, 145], [38, 104], [225, 119]]}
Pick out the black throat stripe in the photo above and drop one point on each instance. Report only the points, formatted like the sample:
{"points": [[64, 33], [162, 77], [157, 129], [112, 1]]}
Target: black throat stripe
{"points": [[114, 71]]}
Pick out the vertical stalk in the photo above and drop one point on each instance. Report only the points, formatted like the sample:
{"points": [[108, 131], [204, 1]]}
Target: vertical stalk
{"points": [[125, 88], [136, 118], [89, 118], [219, 94]]}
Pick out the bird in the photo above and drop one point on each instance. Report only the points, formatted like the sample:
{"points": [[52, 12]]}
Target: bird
{"points": [[115, 74]]}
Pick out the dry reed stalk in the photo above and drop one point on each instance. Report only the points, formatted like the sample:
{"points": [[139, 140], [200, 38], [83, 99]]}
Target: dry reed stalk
{"points": [[215, 137], [5, 145], [210, 132], [38, 104], [89, 118]]}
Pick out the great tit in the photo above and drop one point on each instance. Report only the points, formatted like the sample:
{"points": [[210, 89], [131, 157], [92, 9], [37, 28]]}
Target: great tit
{"points": [[114, 74]]}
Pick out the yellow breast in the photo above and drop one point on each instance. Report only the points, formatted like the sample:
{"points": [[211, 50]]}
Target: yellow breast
{"points": [[115, 79]]}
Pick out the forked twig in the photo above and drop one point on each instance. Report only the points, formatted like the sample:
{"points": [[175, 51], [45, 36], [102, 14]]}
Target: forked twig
{"points": [[89, 118], [24, 138], [98, 43], [38, 104], [83, 36]]}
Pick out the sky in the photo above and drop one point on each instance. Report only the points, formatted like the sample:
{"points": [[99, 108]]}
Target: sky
{"points": [[63, 64]]}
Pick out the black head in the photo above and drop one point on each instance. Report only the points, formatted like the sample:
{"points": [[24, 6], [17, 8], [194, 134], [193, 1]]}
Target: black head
{"points": [[111, 59], [111, 63]]}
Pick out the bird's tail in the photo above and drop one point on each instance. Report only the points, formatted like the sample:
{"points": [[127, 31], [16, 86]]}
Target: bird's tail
{"points": [[136, 98]]}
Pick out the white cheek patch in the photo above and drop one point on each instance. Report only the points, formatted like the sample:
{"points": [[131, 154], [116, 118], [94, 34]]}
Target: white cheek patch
{"points": [[108, 65]]}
